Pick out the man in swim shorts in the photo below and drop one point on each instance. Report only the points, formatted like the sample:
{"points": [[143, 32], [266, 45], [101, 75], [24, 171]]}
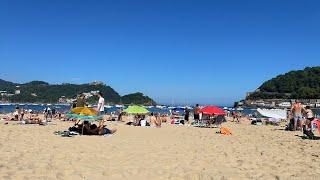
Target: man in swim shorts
{"points": [[296, 110]]}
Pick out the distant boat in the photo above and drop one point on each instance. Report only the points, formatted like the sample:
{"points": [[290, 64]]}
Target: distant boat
{"points": [[150, 107], [160, 107], [171, 107], [239, 109], [108, 106], [63, 104], [225, 108], [5, 104], [21, 104], [49, 104], [119, 106]]}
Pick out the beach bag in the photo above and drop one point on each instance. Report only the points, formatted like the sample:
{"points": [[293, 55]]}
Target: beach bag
{"points": [[225, 131]]}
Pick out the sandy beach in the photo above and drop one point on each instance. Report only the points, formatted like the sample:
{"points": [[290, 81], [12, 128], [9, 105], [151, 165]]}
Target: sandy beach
{"points": [[170, 152]]}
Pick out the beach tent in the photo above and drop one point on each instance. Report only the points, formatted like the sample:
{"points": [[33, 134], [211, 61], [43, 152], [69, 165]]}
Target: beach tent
{"points": [[213, 110], [136, 110]]}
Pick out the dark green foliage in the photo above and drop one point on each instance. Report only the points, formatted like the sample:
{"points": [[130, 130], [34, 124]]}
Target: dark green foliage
{"points": [[137, 98], [47, 93], [302, 84]]}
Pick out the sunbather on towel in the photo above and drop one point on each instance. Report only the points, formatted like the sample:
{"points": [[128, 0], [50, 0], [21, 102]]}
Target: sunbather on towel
{"points": [[92, 129]]}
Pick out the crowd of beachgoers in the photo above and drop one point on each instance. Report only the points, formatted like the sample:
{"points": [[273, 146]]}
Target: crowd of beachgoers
{"points": [[299, 118], [199, 143]]}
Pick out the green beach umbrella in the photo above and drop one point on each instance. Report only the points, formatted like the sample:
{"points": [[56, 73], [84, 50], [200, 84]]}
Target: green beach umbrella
{"points": [[136, 110]]}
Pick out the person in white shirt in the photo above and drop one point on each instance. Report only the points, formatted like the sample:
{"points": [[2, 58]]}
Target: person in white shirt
{"points": [[100, 104]]}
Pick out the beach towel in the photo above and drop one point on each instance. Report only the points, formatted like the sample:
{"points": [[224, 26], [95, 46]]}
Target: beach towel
{"points": [[225, 131]]}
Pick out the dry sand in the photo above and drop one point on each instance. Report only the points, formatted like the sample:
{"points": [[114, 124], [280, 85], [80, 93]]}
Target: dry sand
{"points": [[170, 152]]}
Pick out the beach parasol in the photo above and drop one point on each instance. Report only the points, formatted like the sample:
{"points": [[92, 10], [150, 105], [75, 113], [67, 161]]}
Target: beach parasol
{"points": [[84, 111], [213, 110], [85, 114], [136, 110]]}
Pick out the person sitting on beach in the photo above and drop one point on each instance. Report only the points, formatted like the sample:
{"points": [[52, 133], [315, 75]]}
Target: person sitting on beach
{"points": [[33, 119], [86, 128], [137, 119], [144, 121], [155, 120], [236, 116], [22, 112], [15, 114], [164, 118], [297, 109]]}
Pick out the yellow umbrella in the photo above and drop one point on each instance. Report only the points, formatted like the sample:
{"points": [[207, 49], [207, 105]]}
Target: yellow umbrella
{"points": [[84, 111]]}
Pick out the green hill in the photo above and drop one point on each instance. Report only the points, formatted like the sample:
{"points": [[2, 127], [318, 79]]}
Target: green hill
{"points": [[43, 92], [302, 84], [137, 98]]}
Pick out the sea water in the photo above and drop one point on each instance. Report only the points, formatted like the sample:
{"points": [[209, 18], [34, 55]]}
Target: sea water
{"points": [[66, 108]]}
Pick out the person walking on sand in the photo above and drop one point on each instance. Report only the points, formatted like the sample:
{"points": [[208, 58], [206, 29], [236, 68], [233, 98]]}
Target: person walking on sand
{"points": [[100, 104], [186, 114], [196, 115], [296, 110], [310, 117], [81, 101]]}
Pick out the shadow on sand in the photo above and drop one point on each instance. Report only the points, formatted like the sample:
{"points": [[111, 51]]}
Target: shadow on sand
{"points": [[306, 138]]}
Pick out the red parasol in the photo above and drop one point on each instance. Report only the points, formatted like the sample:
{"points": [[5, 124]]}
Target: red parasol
{"points": [[213, 110]]}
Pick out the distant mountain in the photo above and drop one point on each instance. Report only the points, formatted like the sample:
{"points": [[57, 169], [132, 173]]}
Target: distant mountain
{"points": [[302, 84], [43, 92], [137, 98]]}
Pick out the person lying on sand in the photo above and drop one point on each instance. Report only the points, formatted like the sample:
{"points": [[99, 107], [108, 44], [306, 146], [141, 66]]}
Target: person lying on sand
{"points": [[92, 129], [35, 119]]}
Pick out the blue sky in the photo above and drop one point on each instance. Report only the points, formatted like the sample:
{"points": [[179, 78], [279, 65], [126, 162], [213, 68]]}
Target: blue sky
{"points": [[209, 52]]}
